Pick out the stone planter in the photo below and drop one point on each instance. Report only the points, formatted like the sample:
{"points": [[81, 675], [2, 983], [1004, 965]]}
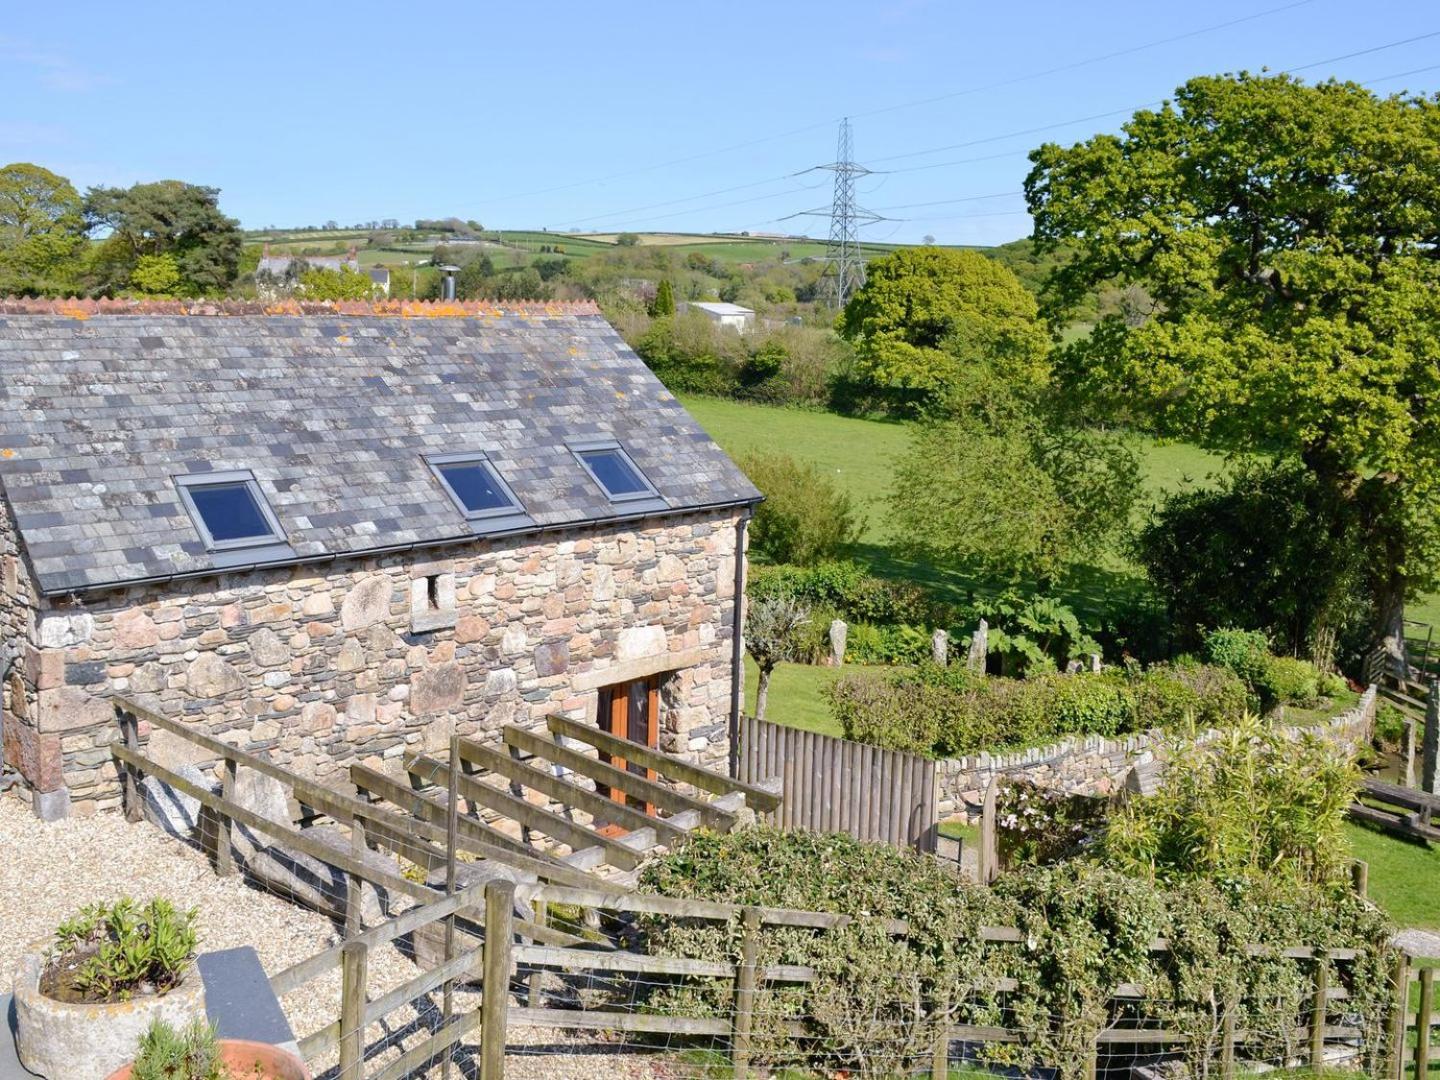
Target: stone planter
{"points": [[63, 1041], [252, 1060]]}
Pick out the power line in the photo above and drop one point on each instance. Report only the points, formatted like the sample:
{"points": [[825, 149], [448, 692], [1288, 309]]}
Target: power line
{"points": [[1145, 105], [914, 103], [1087, 61]]}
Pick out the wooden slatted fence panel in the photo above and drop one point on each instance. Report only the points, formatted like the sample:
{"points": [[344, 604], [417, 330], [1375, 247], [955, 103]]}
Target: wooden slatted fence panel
{"points": [[834, 785]]}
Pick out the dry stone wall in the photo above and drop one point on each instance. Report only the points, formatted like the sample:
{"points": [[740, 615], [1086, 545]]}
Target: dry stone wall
{"points": [[361, 659], [1091, 765]]}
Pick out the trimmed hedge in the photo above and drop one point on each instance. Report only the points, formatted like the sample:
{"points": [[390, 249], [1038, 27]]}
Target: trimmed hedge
{"points": [[872, 1006], [951, 712]]}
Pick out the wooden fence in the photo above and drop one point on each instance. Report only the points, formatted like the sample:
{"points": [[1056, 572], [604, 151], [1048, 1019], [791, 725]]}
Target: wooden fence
{"points": [[833, 785], [487, 944], [509, 969]]}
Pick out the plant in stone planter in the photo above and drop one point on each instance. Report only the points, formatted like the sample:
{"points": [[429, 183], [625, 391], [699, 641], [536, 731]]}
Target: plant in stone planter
{"points": [[111, 952], [83, 999]]}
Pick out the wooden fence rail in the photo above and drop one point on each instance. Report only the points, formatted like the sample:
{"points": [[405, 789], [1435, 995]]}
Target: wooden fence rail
{"points": [[834, 785]]}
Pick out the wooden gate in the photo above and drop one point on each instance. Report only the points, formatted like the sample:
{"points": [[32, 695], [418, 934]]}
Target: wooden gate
{"points": [[832, 785]]}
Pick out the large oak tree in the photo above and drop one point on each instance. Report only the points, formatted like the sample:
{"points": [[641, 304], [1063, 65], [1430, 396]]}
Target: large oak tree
{"points": [[1289, 236]]}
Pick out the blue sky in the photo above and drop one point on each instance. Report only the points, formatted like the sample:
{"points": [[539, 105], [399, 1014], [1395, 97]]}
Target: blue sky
{"points": [[638, 115]]}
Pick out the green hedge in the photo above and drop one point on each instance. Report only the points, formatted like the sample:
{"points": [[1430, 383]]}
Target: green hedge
{"points": [[949, 712], [872, 1007]]}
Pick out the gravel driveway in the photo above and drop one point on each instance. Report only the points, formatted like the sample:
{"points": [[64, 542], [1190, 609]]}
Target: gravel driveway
{"points": [[48, 871]]}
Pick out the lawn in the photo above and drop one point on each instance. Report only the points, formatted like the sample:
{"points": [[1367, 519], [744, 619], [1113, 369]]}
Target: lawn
{"points": [[1403, 875]]}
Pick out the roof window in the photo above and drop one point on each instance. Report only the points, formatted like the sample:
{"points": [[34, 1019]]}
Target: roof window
{"points": [[614, 471], [474, 486], [229, 510]]}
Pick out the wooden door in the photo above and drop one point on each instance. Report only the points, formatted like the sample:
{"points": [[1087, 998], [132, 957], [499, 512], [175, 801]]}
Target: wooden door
{"points": [[630, 710]]}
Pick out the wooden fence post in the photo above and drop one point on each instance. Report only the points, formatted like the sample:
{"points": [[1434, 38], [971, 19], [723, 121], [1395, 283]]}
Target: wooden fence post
{"points": [[940, 1054], [1401, 985], [130, 733], [353, 961], [1430, 741], [1422, 1022], [1407, 751], [1227, 1040], [1360, 877], [1317, 1014], [354, 898], [746, 979], [495, 1003], [532, 996], [224, 826], [989, 843]]}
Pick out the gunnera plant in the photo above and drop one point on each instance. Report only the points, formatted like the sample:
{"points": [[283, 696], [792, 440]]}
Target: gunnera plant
{"points": [[112, 952]]}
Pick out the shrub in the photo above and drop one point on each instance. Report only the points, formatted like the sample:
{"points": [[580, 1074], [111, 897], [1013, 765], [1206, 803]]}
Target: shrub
{"points": [[1269, 548], [1290, 681], [1245, 652], [844, 588], [1085, 928], [949, 712], [1273, 680], [806, 517], [1032, 633], [1255, 803], [899, 643], [109, 951]]}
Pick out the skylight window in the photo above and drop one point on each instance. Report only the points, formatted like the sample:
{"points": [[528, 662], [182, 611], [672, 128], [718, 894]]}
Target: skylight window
{"points": [[474, 486], [229, 510], [618, 476]]}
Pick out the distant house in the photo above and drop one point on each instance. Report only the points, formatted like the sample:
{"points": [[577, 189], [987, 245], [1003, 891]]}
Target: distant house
{"points": [[380, 278], [740, 319], [279, 265]]}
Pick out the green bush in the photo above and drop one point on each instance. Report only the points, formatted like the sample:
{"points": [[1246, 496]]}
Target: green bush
{"points": [[1085, 928], [1289, 681], [900, 643], [951, 712], [806, 517], [1245, 652], [1254, 803], [844, 589], [1273, 680]]}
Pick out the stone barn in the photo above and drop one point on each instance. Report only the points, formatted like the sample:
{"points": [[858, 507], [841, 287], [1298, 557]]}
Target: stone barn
{"points": [[335, 533]]}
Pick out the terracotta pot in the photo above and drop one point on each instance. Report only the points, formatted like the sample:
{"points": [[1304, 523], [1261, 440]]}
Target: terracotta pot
{"points": [[248, 1061]]}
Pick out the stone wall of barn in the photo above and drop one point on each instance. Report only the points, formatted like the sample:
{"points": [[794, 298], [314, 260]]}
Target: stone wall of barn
{"points": [[362, 659], [36, 759]]}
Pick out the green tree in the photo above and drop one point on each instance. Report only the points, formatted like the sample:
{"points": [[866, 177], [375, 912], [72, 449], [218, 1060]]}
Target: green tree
{"points": [[928, 317], [998, 485], [664, 303], [1287, 236], [806, 516], [168, 217], [42, 230], [627, 239], [472, 280], [155, 275], [320, 283]]}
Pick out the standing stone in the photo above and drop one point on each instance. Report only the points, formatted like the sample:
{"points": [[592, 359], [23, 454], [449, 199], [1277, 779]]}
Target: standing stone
{"points": [[979, 647], [838, 632], [1094, 661], [940, 648], [170, 809]]}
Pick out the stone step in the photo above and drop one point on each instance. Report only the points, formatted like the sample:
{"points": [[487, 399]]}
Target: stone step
{"points": [[639, 839]]}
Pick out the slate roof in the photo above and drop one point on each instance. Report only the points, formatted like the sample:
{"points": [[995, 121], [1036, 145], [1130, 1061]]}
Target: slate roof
{"points": [[331, 407]]}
